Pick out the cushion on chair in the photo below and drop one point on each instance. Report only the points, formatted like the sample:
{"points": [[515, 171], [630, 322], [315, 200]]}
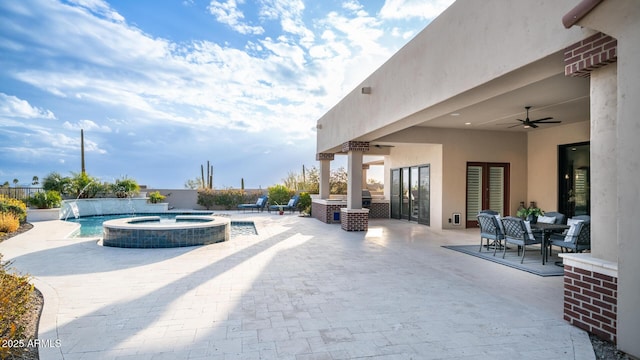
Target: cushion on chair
{"points": [[527, 224], [573, 223], [291, 202], [547, 219], [260, 201], [500, 224]]}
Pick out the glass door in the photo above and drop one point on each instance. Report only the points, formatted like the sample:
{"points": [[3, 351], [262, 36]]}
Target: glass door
{"points": [[423, 196], [414, 194], [395, 194], [404, 178], [575, 181]]}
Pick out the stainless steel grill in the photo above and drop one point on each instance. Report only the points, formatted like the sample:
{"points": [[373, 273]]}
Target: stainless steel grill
{"points": [[366, 199]]}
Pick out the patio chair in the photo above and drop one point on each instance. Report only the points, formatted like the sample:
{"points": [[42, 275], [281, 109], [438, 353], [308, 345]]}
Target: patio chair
{"points": [[259, 205], [577, 238], [490, 229], [292, 205], [517, 232], [560, 218]]}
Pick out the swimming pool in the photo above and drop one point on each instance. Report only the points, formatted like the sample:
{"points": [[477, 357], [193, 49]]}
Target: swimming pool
{"points": [[91, 226]]}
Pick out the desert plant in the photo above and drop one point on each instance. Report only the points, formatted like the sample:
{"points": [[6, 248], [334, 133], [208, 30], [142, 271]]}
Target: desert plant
{"points": [[155, 197], [15, 293], [125, 187], [13, 206], [229, 198], [206, 198], [279, 194], [8, 222], [45, 200]]}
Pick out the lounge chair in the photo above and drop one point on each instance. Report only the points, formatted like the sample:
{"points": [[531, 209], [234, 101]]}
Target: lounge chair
{"points": [[259, 205], [292, 205]]}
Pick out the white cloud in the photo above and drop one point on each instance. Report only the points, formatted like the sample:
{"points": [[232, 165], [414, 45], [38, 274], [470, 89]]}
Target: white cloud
{"points": [[406, 9], [13, 107], [99, 7], [87, 125], [229, 14]]}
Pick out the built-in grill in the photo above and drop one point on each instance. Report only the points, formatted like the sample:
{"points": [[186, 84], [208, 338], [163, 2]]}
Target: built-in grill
{"points": [[366, 199]]}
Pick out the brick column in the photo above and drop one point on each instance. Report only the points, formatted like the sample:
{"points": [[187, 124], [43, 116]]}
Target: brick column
{"points": [[589, 54], [591, 295], [354, 219]]}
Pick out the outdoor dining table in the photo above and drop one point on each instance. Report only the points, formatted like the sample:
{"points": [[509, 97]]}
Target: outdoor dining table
{"points": [[547, 230]]}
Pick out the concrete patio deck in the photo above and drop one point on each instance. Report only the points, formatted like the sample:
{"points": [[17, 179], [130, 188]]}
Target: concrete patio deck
{"points": [[301, 289]]}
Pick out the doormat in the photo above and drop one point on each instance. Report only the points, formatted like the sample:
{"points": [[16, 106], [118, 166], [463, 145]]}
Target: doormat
{"points": [[532, 261]]}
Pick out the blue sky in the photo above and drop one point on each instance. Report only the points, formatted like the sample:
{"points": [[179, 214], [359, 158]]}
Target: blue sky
{"points": [[161, 87]]}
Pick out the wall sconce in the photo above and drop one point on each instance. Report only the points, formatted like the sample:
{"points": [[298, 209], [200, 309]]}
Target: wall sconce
{"points": [[319, 126], [366, 90]]}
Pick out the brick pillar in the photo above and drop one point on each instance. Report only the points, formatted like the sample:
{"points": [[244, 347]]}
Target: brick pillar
{"points": [[591, 295], [589, 54], [354, 219]]}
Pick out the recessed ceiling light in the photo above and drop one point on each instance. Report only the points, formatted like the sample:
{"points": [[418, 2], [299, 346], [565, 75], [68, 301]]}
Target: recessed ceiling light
{"points": [[455, 114], [467, 123]]}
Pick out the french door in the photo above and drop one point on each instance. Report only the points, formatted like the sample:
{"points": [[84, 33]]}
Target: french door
{"points": [[487, 188]]}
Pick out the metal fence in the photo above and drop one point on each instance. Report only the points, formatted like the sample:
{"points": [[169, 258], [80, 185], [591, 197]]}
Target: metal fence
{"points": [[20, 193]]}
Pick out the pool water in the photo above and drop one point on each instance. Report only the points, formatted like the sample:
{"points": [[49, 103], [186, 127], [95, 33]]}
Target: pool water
{"points": [[91, 226]]}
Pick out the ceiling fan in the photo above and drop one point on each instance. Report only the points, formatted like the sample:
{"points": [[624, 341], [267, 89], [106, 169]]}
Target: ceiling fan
{"points": [[533, 123]]}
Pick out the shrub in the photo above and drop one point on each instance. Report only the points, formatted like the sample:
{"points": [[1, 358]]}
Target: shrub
{"points": [[279, 194], [13, 206], [156, 197], [45, 200], [304, 204], [125, 187], [55, 181], [83, 186], [15, 292], [206, 198], [227, 198], [8, 222]]}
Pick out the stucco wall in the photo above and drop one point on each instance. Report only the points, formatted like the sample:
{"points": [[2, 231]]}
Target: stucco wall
{"points": [[450, 171], [542, 172]]}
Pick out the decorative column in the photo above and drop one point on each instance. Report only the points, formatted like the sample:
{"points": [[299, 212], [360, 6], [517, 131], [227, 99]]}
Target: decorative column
{"points": [[364, 175], [325, 173], [354, 217], [591, 280]]}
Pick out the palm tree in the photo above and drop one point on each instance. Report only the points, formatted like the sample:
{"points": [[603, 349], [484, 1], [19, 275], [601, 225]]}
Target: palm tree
{"points": [[35, 181], [15, 182]]}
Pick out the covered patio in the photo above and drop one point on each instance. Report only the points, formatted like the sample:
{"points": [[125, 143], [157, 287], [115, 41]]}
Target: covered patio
{"points": [[451, 107]]}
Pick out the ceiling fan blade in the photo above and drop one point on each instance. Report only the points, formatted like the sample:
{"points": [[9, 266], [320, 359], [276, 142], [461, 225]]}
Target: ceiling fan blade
{"points": [[531, 124], [514, 126], [548, 122], [543, 119]]}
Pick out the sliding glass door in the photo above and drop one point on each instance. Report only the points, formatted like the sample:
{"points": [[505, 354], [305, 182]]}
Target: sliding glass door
{"points": [[410, 194]]}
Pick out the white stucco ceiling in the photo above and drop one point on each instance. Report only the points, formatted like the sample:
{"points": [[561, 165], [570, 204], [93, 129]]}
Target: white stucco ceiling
{"points": [[564, 98]]}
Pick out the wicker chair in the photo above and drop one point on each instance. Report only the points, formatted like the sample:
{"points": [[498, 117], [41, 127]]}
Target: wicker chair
{"points": [[490, 229], [516, 233]]}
